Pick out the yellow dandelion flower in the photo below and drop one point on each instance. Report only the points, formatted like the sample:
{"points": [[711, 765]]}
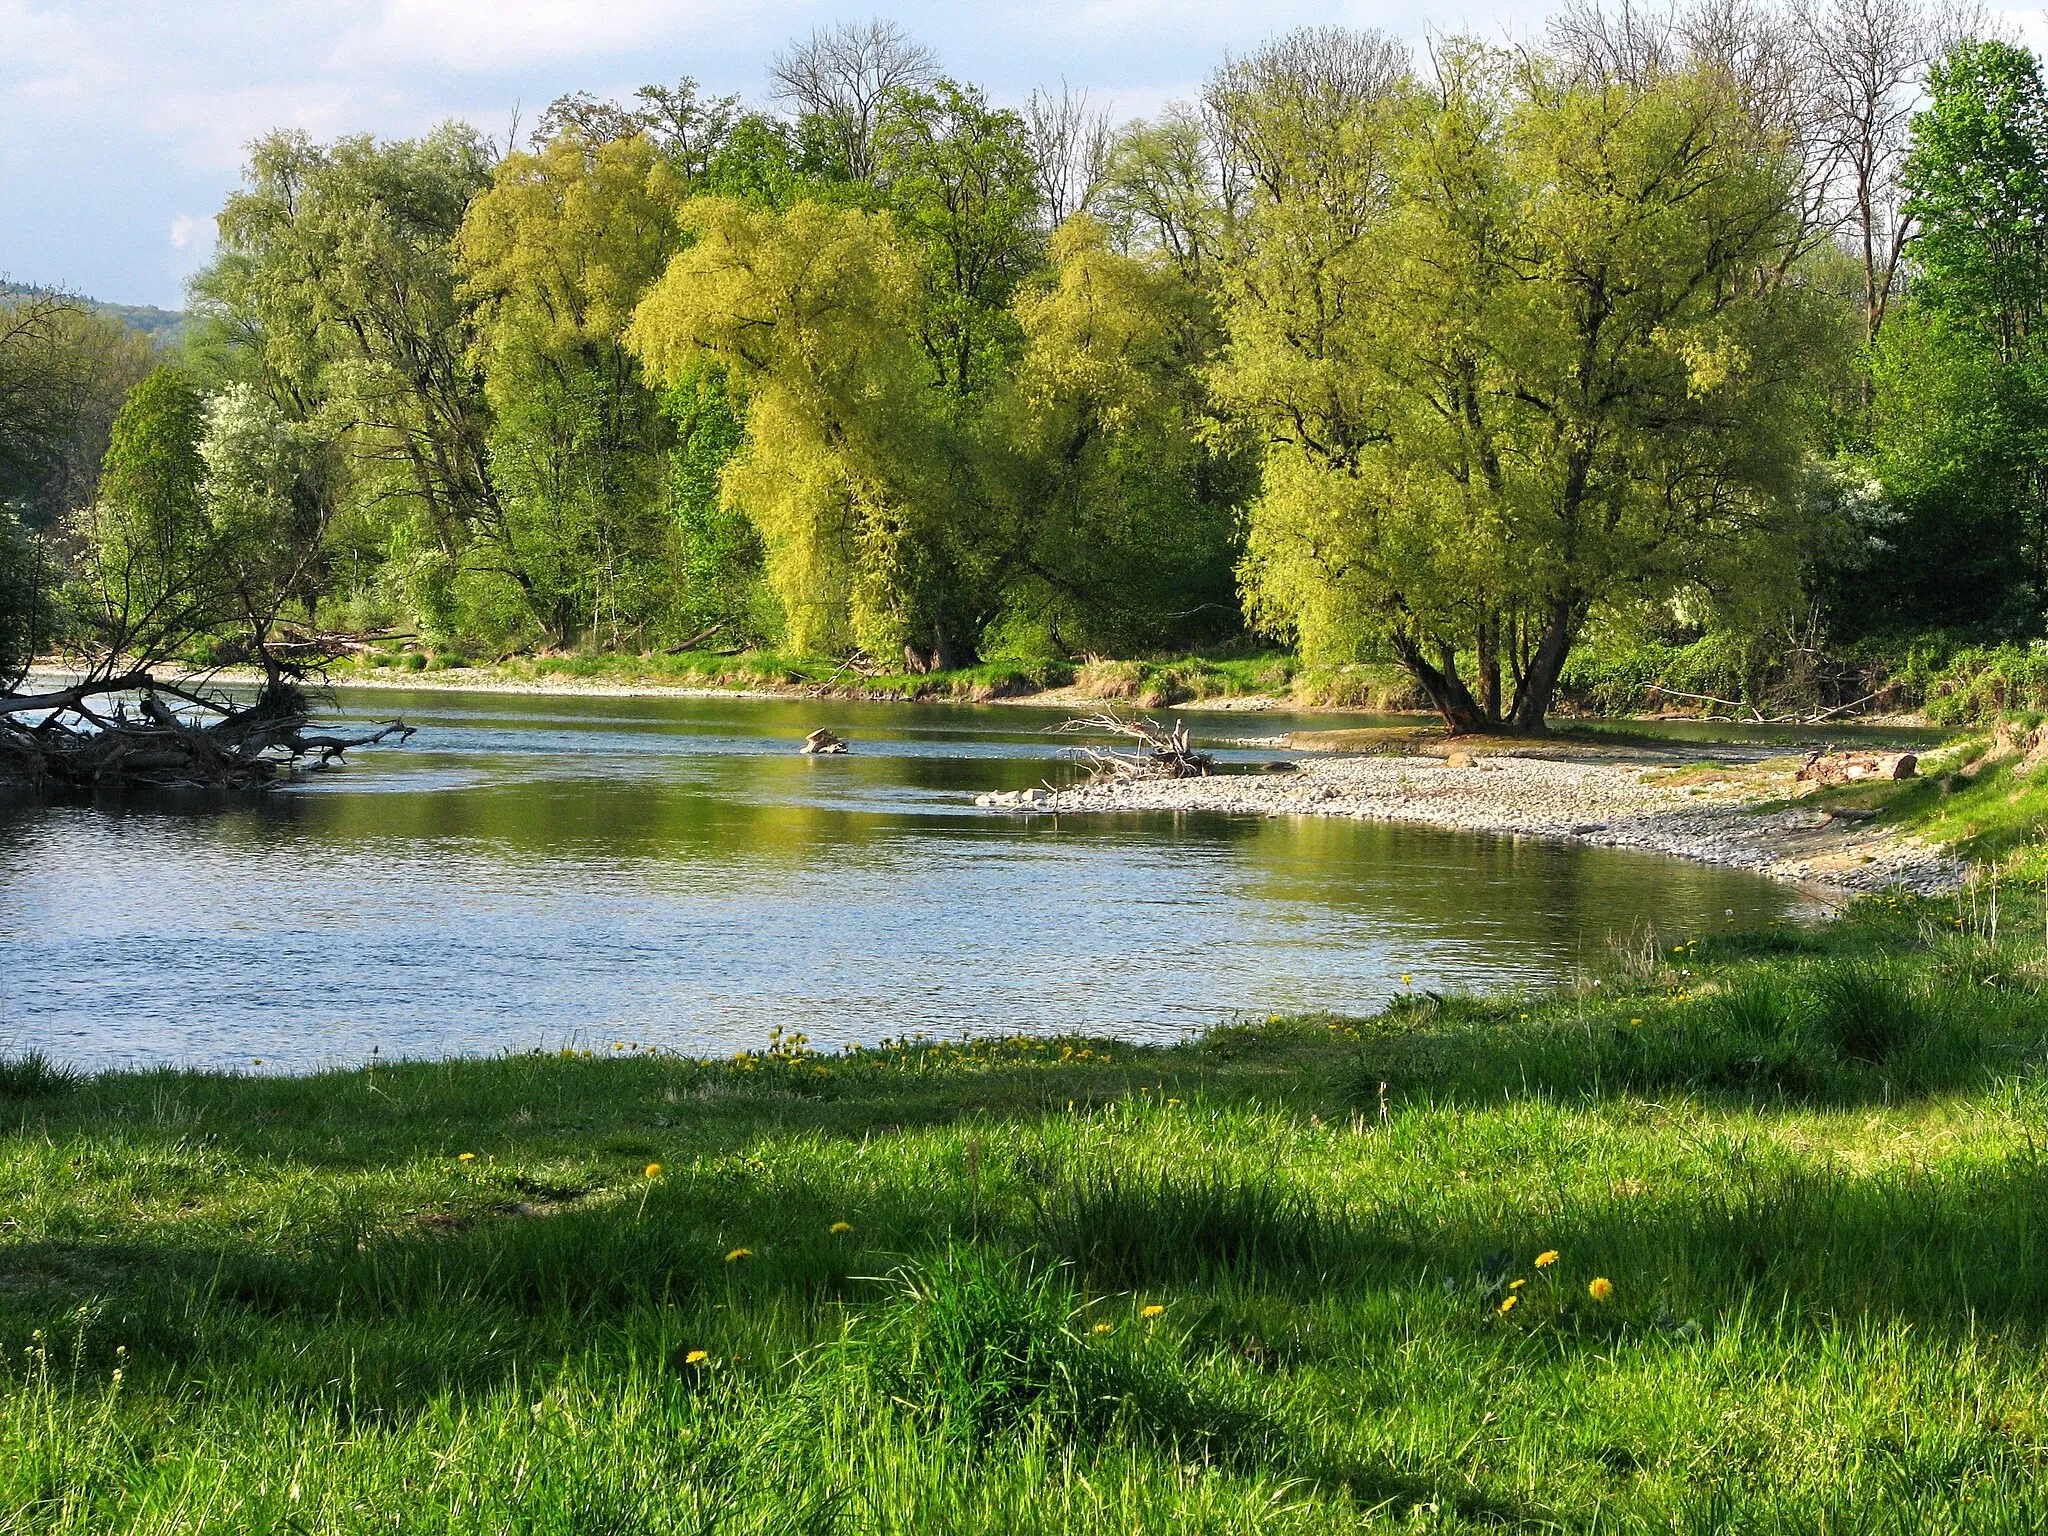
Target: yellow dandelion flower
{"points": [[841, 1228], [1516, 1285], [1546, 1258], [466, 1157], [1507, 1303], [697, 1357], [1102, 1328], [1600, 1288], [654, 1170], [1153, 1310], [737, 1254]]}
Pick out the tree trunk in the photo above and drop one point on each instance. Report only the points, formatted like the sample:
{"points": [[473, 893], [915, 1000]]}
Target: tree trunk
{"points": [[1489, 663], [1539, 682], [1452, 699], [944, 657]]}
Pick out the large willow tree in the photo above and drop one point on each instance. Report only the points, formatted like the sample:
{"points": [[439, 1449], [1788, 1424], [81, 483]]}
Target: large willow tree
{"points": [[1524, 347], [809, 312], [554, 258]]}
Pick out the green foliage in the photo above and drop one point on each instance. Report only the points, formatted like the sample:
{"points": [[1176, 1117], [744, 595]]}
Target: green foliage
{"points": [[1959, 421], [1612, 673], [719, 552], [26, 611], [1555, 260], [554, 256]]}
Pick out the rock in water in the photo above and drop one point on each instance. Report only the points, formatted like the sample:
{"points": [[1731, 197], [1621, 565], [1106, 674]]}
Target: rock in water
{"points": [[821, 743]]}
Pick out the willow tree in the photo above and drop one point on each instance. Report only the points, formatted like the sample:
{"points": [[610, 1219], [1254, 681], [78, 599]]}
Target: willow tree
{"points": [[1566, 372], [336, 273], [554, 257], [808, 312], [1125, 513]]}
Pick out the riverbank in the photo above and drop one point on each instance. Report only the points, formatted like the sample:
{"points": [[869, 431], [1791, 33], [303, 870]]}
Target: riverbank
{"points": [[1736, 1231], [1744, 816]]}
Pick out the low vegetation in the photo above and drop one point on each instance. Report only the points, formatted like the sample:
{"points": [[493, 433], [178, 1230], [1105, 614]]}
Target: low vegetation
{"points": [[1741, 1232]]}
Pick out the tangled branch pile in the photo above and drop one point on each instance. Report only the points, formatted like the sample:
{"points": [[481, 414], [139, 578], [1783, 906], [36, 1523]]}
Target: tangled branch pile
{"points": [[87, 736], [1165, 755]]}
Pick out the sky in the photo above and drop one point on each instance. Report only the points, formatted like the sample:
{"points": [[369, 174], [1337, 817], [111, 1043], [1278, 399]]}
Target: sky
{"points": [[123, 122]]}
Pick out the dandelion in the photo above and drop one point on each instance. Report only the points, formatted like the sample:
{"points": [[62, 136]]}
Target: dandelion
{"points": [[737, 1254], [1406, 978], [1153, 1310], [1546, 1258], [697, 1357], [841, 1228], [1508, 1303], [1101, 1328], [1600, 1288], [466, 1157], [1516, 1285], [654, 1170]]}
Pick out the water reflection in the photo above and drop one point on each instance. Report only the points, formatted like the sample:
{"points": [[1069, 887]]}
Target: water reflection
{"points": [[537, 870]]}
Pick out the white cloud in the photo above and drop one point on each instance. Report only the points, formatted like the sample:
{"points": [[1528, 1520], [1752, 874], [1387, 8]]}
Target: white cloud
{"points": [[185, 229], [486, 35]]}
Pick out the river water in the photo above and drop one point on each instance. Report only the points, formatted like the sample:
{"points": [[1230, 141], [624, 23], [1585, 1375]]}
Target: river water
{"points": [[538, 871]]}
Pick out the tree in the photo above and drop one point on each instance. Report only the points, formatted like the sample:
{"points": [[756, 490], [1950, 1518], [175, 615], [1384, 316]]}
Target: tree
{"points": [[718, 550], [1540, 360], [808, 312], [337, 269], [843, 80], [26, 621], [1125, 515], [265, 505], [1069, 145], [554, 257], [1961, 420], [1160, 192], [962, 181], [42, 385]]}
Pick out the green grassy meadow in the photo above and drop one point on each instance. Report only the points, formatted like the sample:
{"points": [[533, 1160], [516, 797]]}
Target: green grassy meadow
{"points": [[1294, 1276]]}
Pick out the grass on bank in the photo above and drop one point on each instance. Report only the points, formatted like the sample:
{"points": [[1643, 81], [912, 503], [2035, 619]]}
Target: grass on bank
{"points": [[1745, 1233], [1152, 683]]}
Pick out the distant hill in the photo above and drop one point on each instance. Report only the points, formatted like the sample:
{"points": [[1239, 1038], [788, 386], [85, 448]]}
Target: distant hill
{"points": [[166, 326]]}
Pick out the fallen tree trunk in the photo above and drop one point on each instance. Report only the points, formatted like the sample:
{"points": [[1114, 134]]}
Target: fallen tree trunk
{"points": [[86, 737]]}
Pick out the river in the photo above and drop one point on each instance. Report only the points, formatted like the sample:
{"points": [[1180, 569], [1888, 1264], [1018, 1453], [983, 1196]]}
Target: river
{"points": [[544, 871]]}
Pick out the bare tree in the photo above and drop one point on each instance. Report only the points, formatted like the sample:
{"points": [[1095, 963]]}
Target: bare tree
{"points": [[845, 75], [1069, 150], [1869, 56], [1312, 79]]}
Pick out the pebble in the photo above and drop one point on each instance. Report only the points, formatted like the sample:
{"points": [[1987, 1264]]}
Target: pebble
{"points": [[1599, 803]]}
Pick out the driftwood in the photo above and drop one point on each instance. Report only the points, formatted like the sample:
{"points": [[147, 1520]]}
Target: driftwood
{"points": [[1749, 714], [129, 730], [1166, 754], [822, 743], [1831, 767]]}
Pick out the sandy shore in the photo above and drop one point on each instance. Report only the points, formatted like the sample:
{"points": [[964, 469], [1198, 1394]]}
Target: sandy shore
{"points": [[1714, 816]]}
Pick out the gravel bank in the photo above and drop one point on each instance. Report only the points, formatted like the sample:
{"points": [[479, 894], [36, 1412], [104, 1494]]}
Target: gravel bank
{"points": [[1608, 804]]}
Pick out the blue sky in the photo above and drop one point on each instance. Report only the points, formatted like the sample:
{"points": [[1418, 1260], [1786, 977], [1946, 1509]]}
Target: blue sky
{"points": [[122, 122]]}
